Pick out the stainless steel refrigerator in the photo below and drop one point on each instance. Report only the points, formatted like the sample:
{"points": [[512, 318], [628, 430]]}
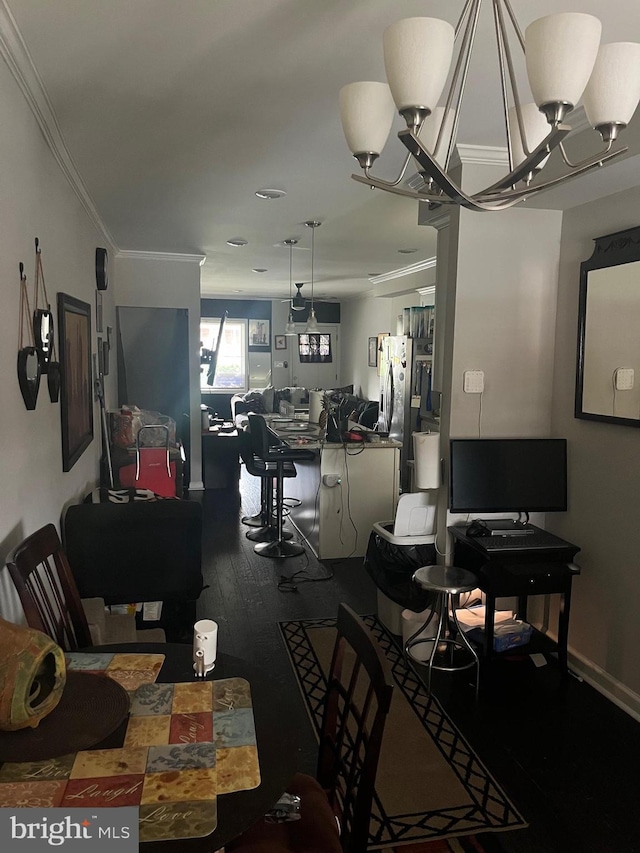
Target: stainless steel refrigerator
{"points": [[405, 388]]}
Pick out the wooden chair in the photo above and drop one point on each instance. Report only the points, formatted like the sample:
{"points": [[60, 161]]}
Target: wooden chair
{"points": [[43, 579], [336, 807]]}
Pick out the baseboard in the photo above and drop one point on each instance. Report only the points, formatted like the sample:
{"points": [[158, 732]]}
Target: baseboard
{"points": [[614, 690]]}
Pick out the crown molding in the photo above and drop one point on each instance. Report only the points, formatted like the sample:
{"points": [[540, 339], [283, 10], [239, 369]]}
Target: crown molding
{"points": [[14, 52], [133, 255], [427, 264], [483, 155]]}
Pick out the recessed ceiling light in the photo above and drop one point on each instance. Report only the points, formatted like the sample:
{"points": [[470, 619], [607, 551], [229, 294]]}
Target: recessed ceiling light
{"points": [[373, 274], [407, 251], [258, 269], [237, 241], [270, 194]]}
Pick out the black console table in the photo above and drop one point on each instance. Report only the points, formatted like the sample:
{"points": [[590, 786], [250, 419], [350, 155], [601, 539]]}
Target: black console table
{"points": [[521, 573]]}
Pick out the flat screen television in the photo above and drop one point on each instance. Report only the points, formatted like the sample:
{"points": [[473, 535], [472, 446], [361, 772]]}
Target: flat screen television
{"points": [[508, 475]]}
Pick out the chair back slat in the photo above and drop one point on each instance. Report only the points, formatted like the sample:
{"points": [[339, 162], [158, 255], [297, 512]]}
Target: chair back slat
{"points": [[44, 582], [358, 701]]}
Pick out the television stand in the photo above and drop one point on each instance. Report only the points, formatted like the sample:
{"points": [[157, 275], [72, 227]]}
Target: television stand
{"points": [[520, 573]]}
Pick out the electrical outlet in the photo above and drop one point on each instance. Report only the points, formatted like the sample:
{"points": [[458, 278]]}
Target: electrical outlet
{"points": [[473, 381], [331, 480], [624, 379]]}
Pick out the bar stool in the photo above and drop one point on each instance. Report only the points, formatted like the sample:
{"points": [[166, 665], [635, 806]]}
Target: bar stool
{"points": [[281, 456], [446, 583], [263, 524]]}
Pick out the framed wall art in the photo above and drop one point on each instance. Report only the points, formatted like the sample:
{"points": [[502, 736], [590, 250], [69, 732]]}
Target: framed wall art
{"points": [[259, 333], [280, 342], [373, 352], [76, 395]]}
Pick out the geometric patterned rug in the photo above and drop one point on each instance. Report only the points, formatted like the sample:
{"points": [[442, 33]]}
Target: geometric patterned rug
{"points": [[430, 784]]}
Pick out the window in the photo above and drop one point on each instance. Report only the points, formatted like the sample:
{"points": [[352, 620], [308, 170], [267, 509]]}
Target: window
{"points": [[314, 348], [231, 366]]}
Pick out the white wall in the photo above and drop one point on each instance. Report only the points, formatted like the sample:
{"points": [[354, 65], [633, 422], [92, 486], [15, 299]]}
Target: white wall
{"points": [[152, 282], [361, 318], [37, 201], [604, 472]]}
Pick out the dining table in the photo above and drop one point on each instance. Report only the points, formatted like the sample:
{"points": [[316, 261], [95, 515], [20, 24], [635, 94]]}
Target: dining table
{"points": [[276, 738]]}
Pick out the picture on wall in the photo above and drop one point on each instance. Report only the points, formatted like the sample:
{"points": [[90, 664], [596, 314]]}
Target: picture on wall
{"points": [[258, 333], [76, 397], [373, 352], [280, 342]]}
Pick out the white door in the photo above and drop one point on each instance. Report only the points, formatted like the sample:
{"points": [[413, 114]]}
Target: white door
{"points": [[317, 375]]}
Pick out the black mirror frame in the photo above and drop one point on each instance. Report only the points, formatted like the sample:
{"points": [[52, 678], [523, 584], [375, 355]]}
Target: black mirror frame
{"points": [[621, 247]]}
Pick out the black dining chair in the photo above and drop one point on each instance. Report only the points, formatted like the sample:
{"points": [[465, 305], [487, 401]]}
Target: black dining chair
{"points": [[280, 455], [43, 579], [335, 806]]}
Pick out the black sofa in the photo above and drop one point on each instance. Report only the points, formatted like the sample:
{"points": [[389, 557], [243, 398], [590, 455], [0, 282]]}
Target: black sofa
{"points": [[137, 552]]}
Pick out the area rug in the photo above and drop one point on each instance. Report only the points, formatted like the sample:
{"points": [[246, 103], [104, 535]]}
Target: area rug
{"points": [[430, 784]]}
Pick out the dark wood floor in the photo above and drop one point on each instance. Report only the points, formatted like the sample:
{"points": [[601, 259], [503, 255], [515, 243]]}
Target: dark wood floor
{"points": [[567, 757]]}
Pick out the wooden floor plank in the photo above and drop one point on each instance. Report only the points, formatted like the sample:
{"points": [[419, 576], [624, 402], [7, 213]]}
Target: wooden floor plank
{"points": [[566, 756]]}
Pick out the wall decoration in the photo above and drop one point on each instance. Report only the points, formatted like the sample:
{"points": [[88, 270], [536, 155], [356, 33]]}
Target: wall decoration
{"points": [[258, 333], [76, 410], [43, 331], [102, 272], [98, 311], [381, 335], [373, 352], [314, 348], [280, 342], [29, 365]]}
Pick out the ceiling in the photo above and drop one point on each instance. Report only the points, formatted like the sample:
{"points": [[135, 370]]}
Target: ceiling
{"points": [[174, 112]]}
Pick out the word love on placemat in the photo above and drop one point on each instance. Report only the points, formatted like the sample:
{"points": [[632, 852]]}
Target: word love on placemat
{"points": [[185, 745]]}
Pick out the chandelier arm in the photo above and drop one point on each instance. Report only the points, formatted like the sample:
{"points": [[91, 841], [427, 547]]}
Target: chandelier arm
{"points": [[461, 72], [376, 183], [505, 55], [449, 187], [437, 200], [586, 160], [463, 15], [514, 21], [553, 140], [532, 190], [380, 181]]}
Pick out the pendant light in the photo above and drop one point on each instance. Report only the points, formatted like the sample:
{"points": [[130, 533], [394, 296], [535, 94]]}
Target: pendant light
{"points": [[312, 322], [290, 328]]}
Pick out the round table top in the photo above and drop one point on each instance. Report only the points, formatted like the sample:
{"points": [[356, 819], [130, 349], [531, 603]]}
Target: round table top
{"points": [[448, 579], [276, 736]]}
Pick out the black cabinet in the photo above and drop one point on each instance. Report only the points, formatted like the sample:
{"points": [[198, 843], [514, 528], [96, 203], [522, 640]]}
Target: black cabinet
{"points": [[521, 573]]}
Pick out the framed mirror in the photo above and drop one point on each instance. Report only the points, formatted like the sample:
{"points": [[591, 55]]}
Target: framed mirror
{"points": [[608, 368]]}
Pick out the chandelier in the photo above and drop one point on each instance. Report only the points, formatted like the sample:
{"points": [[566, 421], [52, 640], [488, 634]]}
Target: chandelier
{"points": [[564, 61]]}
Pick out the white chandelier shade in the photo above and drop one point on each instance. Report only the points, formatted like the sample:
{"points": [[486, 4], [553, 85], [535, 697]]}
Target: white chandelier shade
{"points": [[367, 112], [536, 129], [612, 94], [417, 57], [561, 51], [427, 60]]}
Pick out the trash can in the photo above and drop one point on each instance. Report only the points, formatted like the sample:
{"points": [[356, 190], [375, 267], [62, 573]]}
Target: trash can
{"points": [[391, 567]]}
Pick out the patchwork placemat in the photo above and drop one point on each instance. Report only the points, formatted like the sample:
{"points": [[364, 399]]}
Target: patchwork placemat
{"points": [[185, 744], [129, 670]]}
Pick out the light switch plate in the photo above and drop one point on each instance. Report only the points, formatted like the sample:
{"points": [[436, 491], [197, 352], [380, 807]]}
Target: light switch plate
{"points": [[473, 381], [624, 379]]}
